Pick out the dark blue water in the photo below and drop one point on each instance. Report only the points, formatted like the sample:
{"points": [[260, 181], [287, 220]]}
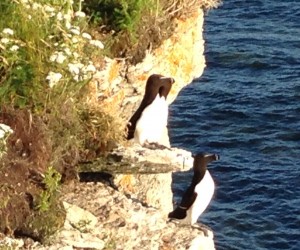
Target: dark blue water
{"points": [[246, 107]]}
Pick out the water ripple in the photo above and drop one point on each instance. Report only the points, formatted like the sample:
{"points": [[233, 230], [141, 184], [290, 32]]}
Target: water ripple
{"points": [[246, 107]]}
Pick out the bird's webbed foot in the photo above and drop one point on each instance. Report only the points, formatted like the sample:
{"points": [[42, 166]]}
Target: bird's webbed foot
{"points": [[205, 229], [154, 146]]}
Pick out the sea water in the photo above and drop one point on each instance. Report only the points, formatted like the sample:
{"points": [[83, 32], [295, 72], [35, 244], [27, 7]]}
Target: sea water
{"points": [[246, 107]]}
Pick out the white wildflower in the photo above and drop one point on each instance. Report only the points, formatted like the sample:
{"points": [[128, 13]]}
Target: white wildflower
{"points": [[14, 48], [29, 17], [74, 68], [36, 6], [97, 43], [5, 130], [75, 31], [67, 16], [58, 57], [79, 14], [5, 40], [68, 51], [8, 31], [76, 55], [86, 36], [53, 78], [52, 58], [68, 24], [90, 68], [59, 16], [75, 40], [48, 8], [76, 78]]}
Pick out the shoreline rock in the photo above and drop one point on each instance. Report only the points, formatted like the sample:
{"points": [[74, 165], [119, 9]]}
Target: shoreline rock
{"points": [[100, 216]]}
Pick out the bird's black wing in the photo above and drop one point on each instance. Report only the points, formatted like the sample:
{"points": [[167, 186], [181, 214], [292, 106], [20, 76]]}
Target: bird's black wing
{"points": [[190, 195], [188, 198]]}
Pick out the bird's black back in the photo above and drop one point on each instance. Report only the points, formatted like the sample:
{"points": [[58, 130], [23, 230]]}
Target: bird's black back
{"points": [[156, 84]]}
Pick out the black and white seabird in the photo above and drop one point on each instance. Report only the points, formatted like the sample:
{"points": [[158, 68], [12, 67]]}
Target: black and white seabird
{"points": [[199, 194], [148, 123]]}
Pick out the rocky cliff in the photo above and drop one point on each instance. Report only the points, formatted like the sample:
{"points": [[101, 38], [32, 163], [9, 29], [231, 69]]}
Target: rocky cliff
{"points": [[126, 206], [147, 176]]}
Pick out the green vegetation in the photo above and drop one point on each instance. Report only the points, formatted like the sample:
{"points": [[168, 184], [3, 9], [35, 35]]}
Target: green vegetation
{"points": [[125, 24], [45, 66], [46, 53], [41, 45], [133, 26], [49, 195], [119, 14]]}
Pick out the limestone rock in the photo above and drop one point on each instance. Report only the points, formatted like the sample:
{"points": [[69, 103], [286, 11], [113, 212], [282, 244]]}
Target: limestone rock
{"points": [[148, 189], [10, 243], [124, 223], [153, 186], [77, 217]]}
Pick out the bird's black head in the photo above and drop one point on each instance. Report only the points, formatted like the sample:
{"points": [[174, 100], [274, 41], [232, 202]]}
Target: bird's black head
{"points": [[158, 84], [202, 159]]}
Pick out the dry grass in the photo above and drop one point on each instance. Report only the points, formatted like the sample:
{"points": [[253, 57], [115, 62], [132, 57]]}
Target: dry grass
{"points": [[181, 8], [102, 132]]}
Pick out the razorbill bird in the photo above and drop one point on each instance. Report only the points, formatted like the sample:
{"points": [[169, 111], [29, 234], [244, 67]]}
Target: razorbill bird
{"points": [[198, 195], [148, 123]]}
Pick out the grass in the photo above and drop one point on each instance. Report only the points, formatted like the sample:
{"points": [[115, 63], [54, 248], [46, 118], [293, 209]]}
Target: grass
{"points": [[45, 66], [132, 26], [49, 194]]}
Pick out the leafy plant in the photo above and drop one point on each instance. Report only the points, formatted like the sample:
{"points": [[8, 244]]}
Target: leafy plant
{"points": [[48, 196], [120, 15]]}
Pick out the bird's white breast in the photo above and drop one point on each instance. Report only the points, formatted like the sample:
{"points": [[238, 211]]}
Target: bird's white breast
{"points": [[153, 121], [205, 190]]}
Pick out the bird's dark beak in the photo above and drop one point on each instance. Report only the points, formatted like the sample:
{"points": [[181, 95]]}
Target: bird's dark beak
{"points": [[217, 157]]}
